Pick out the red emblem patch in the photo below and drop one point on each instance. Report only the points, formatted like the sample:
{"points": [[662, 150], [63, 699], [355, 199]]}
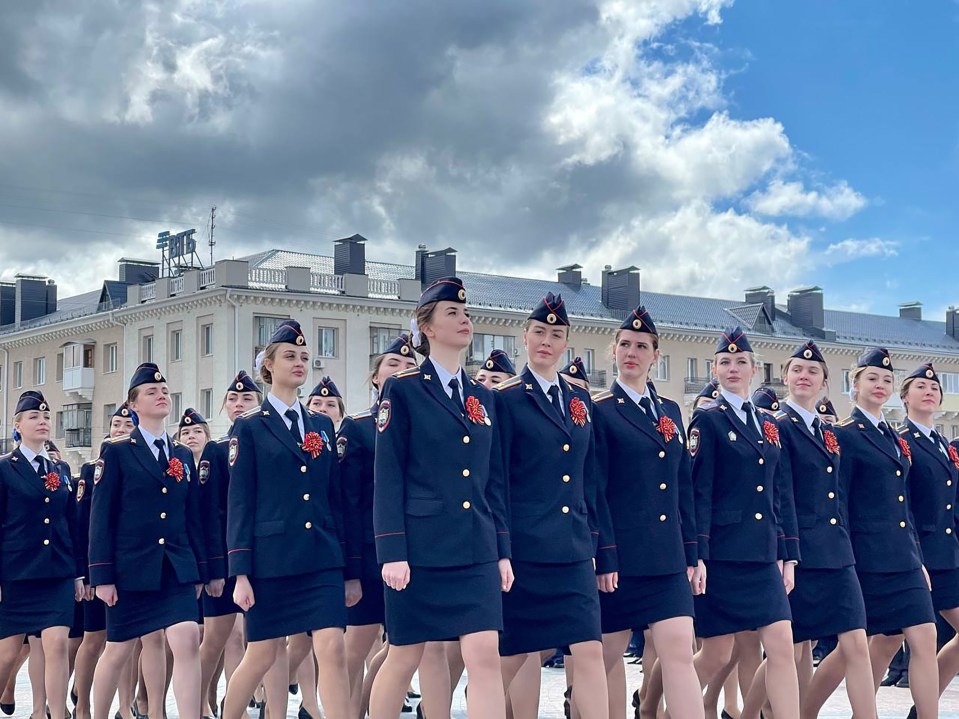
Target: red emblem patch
{"points": [[175, 469], [51, 481], [313, 444], [577, 412], [832, 444], [954, 455], [906, 450], [666, 427], [772, 432]]}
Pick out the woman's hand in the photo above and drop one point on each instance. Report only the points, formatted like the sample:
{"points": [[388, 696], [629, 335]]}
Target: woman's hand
{"points": [[107, 593], [214, 587], [697, 578], [506, 575], [88, 593], [789, 575], [354, 592], [243, 593], [78, 590], [396, 575], [607, 582]]}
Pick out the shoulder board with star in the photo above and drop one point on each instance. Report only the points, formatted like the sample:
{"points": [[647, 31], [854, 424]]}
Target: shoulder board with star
{"points": [[177, 443], [846, 422], [664, 398], [312, 413], [411, 372], [602, 396], [224, 439], [781, 415], [365, 414], [507, 384], [251, 412], [715, 404], [117, 440], [903, 430]]}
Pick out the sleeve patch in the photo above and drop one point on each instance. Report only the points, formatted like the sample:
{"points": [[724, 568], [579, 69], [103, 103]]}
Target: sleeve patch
{"points": [[383, 416], [81, 489], [341, 443], [694, 442], [98, 471], [234, 451], [204, 471]]}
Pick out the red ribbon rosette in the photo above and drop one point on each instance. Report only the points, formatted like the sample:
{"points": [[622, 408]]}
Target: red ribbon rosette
{"points": [[954, 455], [666, 427], [577, 412], [175, 469], [51, 481], [313, 443], [771, 431], [474, 410], [832, 444], [904, 446]]}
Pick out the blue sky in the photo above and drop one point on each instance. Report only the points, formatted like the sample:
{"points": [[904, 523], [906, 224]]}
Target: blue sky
{"points": [[868, 92]]}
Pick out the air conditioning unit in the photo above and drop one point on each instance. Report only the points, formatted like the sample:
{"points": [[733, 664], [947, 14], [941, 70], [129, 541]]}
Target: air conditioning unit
{"points": [[317, 363]]}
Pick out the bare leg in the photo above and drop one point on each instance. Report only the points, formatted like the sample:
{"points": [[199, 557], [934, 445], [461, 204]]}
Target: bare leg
{"points": [[523, 694], [614, 644], [454, 655], [257, 660], [923, 670], [358, 642], [782, 682], [115, 657], [90, 649], [393, 679], [11, 649], [276, 682], [826, 680], [859, 678], [589, 691], [749, 653], [487, 699], [948, 657], [184, 642], [306, 679], [651, 693], [712, 657], [330, 650], [56, 675], [435, 681], [882, 649], [372, 670], [674, 646], [128, 682], [216, 633]]}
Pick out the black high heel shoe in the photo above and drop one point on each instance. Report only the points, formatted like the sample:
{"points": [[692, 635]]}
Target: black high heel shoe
{"points": [[9, 709]]}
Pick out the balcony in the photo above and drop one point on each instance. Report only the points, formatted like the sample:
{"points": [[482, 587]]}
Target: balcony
{"points": [[80, 437], [597, 378], [78, 382], [692, 385]]}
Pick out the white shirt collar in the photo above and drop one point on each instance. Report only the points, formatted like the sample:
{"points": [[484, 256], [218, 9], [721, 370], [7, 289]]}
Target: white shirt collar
{"points": [[871, 418], [545, 384], [150, 439], [734, 400], [445, 377], [30, 455], [636, 396], [281, 407], [923, 428], [806, 415]]}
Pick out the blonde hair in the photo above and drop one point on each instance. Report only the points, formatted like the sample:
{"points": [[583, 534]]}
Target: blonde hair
{"points": [[269, 354]]}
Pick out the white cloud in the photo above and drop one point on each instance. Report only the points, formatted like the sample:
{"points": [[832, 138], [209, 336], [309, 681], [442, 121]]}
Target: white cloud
{"points": [[839, 202], [848, 250]]}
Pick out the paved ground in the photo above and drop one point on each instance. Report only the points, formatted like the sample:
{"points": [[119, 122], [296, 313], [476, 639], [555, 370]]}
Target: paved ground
{"points": [[893, 703]]}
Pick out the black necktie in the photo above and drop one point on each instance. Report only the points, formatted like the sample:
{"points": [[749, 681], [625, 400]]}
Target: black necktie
{"points": [[937, 438], [41, 466], [750, 421], [889, 435], [454, 385], [291, 415], [553, 393], [647, 406], [161, 454], [817, 428]]}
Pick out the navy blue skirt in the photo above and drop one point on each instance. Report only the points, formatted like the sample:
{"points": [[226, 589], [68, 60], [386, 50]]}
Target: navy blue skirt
{"points": [[223, 605], [294, 605], [76, 628], [94, 616], [371, 609], [550, 605], [28, 606], [825, 603], [137, 613], [445, 603], [641, 601], [740, 597], [945, 588], [895, 600]]}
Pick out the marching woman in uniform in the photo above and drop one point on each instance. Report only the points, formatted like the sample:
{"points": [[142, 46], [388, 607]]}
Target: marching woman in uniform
{"points": [[497, 368], [439, 517], [355, 445], [651, 555], [147, 551], [933, 479], [326, 399], [40, 571], [827, 600], [94, 610], [741, 512], [222, 626], [875, 467], [765, 400], [548, 464], [284, 528]]}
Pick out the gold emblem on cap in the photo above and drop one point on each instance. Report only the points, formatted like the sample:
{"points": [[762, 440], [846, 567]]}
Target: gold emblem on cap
{"points": [[324, 391], [300, 340], [637, 324], [462, 295], [807, 354], [929, 374], [885, 361], [124, 412], [775, 405], [489, 364], [822, 408], [239, 385], [572, 369], [187, 420], [157, 376], [715, 393], [551, 318], [43, 405], [404, 350], [732, 347]]}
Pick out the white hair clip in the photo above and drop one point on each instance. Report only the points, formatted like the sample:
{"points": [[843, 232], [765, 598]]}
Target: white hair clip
{"points": [[414, 333], [258, 362]]}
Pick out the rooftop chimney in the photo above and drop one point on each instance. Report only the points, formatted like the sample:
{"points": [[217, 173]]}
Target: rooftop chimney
{"points": [[571, 275], [910, 311], [440, 263], [420, 255], [620, 289], [952, 322], [349, 256], [36, 297], [806, 310], [764, 295], [138, 272], [8, 303]]}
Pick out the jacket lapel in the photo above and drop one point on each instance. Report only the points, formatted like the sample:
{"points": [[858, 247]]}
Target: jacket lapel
{"points": [[635, 415], [27, 472], [873, 434], [437, 391], [538, 397], [277, 426], [145, 457], [803, 430], [739, 427], [916, 437]]}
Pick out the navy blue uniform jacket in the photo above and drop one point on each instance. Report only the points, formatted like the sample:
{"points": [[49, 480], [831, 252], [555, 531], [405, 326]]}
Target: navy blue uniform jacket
{"points": [[214, 478], [140, 515], [549, 467], [933, 479], [38, 528], [874, 475], [435, 501], [648, 486], [744, 512], [286, 511], [355, 445], [813, 472]]}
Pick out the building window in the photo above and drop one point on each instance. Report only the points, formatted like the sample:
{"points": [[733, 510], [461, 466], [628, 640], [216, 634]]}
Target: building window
{"points": [[176, 403], [58, 429], [110, 358], [950, 382], [146, 349], [767, 372], [108, 410], [662, 369], [709, 369], [40, 370], [59, 367], [176, 345], [326, 342], [955, 431], [264, 327], [206, 402], [77, 424], [206, 339], [589, 359], [941, 429], [845, 381], [692, 368], [1, 376], [17, 375], [482, 345], [569, 356], [381, 338]]}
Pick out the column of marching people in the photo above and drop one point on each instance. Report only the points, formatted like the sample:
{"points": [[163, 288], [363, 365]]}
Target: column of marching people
{"points": [[479, 524]]}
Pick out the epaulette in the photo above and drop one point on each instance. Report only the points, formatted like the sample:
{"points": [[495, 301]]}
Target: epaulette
{"points": [[666, 399], [903, 430], [361, 415], [715, 404], [511, 382], [117, 440], [4, 456], [411, 372], [602, 395], [781, 415], [224, 439], [846, 422], [251, 412]]}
